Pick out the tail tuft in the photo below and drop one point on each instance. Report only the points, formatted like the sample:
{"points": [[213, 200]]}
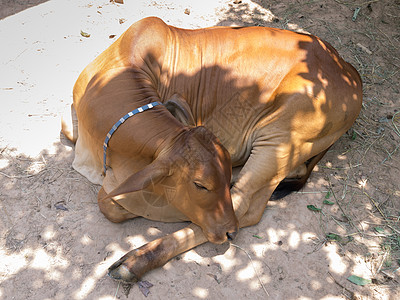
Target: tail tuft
{"points": [[69, 124]]}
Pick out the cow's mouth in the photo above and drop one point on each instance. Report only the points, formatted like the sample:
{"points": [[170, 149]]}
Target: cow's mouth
{"points": [[220, 238]]}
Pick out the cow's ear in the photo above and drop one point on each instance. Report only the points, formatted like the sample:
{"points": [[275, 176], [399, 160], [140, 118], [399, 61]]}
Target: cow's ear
{"points": [[180, 109], [152, 174]]}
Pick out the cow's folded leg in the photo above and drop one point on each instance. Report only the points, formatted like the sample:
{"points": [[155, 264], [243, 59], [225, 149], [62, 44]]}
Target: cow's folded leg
{"points": [[133, 265], [259, 201], [112, 210]]}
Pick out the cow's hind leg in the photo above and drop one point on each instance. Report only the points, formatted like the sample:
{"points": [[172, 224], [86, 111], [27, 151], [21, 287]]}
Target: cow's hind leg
{"points": [[112, 210]]}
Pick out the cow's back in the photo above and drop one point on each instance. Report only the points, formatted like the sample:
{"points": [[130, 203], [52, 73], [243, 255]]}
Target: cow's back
{"points": [[237, 80]]}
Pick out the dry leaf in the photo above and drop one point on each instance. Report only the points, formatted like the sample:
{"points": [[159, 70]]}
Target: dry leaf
{"points": [[144, 287], [60, 206], [85, 34]]}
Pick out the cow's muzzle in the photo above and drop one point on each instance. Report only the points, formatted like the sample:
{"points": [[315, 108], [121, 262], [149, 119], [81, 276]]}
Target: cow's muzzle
{"points": [[231, 235], [220, 235]]}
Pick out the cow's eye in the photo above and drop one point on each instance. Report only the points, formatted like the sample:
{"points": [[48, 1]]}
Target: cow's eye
{"points": [[200, 186]]}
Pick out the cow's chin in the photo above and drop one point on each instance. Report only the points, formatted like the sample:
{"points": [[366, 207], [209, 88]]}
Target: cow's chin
{"points": [[215, 238]]}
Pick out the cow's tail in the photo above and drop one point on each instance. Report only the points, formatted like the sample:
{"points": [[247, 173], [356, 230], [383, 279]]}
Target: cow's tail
{"points": [[289, 185], [69, 124]]}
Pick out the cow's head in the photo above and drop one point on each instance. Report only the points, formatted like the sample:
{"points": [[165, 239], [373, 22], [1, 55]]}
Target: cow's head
{"points": [[198, 168]]}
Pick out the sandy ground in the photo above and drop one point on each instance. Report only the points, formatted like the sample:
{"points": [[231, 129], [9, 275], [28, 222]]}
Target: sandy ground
{"points": [[54, 242]]}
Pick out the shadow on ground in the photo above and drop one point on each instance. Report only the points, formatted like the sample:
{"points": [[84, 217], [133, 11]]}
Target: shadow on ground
{"points": [[11, 7]]}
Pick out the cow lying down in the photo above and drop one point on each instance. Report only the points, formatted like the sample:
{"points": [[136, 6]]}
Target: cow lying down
{"points": [[164, 114]]}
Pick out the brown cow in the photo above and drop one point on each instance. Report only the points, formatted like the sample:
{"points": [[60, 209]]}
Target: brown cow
{"points": [[267, 102]]}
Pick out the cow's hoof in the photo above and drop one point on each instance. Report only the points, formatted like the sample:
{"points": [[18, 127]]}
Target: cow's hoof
{"points": [[120, 271]]}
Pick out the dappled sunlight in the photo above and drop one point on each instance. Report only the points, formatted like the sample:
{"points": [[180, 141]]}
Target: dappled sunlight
{"points": [[255, 283], [136, 241], [4, 163], [49, 233], [297, 28], [107, 297], [360, 268], [336, 262], [307, 236], [274, 236], [249, 271], [86, 287], [260, 249], [52, 266], [362, 183], [193, 256], [13, 263], [91, 281], [153, 231], [294, 239], [42, 260], [332, 297], [277, 238], [200, 293], [227, 261], [115, 251]]}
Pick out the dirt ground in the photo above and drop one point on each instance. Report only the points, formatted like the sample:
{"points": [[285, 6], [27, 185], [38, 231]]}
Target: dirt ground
{"points": [[55, 243]]}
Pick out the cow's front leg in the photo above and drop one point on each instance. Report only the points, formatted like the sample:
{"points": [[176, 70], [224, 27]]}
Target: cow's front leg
{"points": [[258, 202], [155, 254], [133, 265]]}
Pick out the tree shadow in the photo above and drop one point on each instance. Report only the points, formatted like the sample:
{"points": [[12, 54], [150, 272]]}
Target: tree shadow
{"points": [[243, 14], [10, 7]]}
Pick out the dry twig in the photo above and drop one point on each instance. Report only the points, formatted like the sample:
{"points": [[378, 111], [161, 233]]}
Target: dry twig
{"points": [[255, 271]]}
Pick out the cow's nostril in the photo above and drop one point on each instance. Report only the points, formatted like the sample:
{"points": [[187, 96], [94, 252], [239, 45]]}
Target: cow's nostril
{"points": [[231, 235]]}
